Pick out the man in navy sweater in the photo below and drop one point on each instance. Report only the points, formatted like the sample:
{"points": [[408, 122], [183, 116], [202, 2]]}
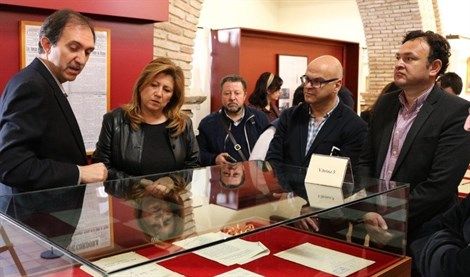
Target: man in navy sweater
{"points": [[229, 135]]}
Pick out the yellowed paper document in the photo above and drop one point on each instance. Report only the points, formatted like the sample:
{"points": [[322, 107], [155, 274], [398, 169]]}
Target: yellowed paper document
{"points": [[228, 253], [129, 259], [324, 259]]}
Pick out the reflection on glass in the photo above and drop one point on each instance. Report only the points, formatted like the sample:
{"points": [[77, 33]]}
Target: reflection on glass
{"points": [[242, 185], [377, 222], [54, 213], [232, 175], [148, 214], [162, 207]]}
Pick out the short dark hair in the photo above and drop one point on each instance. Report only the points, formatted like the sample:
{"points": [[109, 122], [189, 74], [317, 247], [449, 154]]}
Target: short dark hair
{"points": [[55, 23], [452, 80], [233, 78], [298, 96], [439, 47]]}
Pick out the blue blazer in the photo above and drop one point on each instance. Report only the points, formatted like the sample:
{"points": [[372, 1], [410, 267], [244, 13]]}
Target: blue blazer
{"points": [[40, 141]]}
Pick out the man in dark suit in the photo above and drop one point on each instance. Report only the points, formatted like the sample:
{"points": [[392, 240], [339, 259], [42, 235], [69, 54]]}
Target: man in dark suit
{"points": [[40, 143], [321, 122], [445, 249], [416, 133]]}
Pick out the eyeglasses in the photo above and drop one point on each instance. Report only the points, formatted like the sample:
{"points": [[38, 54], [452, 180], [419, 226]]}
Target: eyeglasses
{"points": [[315, 83]]}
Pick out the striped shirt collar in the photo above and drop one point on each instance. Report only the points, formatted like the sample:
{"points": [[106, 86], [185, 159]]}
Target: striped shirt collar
{"points": [[418, 103], [310, 112]]}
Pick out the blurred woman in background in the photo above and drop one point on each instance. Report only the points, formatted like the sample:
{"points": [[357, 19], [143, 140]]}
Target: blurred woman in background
{"points": [[266, 94]]}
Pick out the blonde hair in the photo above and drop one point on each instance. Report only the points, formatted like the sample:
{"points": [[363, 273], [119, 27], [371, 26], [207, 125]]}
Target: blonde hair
{"points": [[133, 109], [270, 80]]}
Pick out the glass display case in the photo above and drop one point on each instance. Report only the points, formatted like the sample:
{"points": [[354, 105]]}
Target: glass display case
{"points": [[21, 251], [248, 216]]}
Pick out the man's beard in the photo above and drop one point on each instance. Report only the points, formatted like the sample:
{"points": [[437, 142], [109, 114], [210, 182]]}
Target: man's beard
{"points": [[233, 110]]}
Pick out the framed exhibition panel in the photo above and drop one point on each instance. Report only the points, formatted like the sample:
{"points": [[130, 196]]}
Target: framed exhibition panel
{"points": [[290, 69]]}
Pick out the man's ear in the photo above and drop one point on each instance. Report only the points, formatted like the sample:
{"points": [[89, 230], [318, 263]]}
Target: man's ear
{"points": [[436, 66], [46, 44], [338, 85]]}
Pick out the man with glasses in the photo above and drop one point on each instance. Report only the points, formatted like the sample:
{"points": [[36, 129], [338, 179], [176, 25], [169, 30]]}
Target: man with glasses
{"points": [[229, 135], [321, 123]]}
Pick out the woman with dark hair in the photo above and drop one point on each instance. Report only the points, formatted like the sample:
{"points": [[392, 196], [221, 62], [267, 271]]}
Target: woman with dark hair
{"points": [[266, 94], [298, 96], [150, 134]]}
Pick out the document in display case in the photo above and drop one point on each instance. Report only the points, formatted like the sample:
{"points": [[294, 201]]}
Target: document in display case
{"points": [[170, 221]]}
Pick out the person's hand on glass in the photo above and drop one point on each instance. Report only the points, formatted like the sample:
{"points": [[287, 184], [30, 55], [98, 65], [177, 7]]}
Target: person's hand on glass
{"points": [[377, 228], [161, 186], [311, 223]]}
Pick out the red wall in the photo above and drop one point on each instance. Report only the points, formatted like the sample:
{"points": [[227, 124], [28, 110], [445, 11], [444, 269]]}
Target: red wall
{"points": [[251, 52], [152, 10], [131, 47], [266, 49]]}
